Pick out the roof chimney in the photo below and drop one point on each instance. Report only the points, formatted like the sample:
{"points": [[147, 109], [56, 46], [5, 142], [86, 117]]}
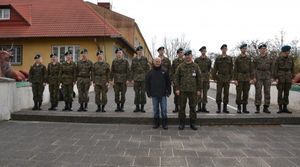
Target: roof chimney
{"points": [[106, 5]]}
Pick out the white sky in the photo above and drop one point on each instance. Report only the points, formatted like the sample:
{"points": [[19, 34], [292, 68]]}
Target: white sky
{"points": [[212, 22]]}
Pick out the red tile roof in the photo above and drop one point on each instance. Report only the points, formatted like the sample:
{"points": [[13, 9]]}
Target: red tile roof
{"points": [[55, 18]]}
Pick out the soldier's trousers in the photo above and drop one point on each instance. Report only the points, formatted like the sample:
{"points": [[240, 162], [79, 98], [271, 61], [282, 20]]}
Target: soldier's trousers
{"points": [[37, 91], [140, 92], [176, 97], [54, 93], [101, 94], [283, 92], [83, 86], [120, 89], [203, 97], [225, 87], [192, 97], [68, 92], [242, 92], [259, 85]]}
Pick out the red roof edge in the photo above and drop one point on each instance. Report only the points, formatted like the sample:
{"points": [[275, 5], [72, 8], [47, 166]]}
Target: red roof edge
{"points": [[24, 10]]}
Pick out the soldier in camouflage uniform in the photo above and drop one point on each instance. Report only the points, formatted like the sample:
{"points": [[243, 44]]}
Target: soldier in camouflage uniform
{"points": [[53, 72], [284, 74], [139, 69], [100, 76], [176, 62], [222, 74], [120, 74], [243, 77], [165, 62], [84, 71], [204, 64], [38, 79], [263, 67], [188, 86], [67, 77]]}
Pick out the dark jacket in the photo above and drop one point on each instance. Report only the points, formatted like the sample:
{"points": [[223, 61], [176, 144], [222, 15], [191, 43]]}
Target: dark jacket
{"points": [[158, 83]]}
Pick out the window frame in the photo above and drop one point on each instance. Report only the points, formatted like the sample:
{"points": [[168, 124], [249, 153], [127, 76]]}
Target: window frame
{"points": [[2, 13], [75, 49]]}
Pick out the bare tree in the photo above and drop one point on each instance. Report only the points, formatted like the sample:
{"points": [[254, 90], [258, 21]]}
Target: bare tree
{"points": [[172, 44]]}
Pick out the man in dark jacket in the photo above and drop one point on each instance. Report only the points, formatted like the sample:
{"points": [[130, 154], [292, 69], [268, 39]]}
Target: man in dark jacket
{"points": [[158, 87]]}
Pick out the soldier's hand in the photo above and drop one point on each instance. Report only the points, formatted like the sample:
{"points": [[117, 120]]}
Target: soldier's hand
{"points": [[198, 93], [177, 92], [127, 82]]}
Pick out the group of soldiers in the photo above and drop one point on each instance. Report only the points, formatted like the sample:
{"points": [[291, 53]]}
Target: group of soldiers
{"points": [[190, 79]]}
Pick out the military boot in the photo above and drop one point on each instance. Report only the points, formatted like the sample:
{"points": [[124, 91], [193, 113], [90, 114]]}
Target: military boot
{"points": [[176, 109], [219, 108], [137, 108], [155, 123], [122, 107], [245, 109], [181, 124], [285, 109], [280, 109], [66, 107], [118, 108], [103, 108], [70, 106], [80, 108], [266, 109], [192, 124], [225, 108], [257, 109], [142, 108], [35, 107], [85, 105], [164, 123], [239, 109], [99, 108], [204, 108], [199, 108], [52, 107]]}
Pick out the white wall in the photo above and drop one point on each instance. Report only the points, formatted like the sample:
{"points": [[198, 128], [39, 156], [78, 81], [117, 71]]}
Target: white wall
{"points": [[294, 97]]}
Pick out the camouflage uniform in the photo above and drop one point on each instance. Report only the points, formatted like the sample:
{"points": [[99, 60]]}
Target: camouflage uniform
{"points": [[139, 69], [120, 73], [284, 72], [84, 71], [37, 77], [166, 63], [222, 74], [243, 73], [176, 62], [188, 81], [53, 72], [204, 64], [67, 76], [262, 66], [100, 78]]}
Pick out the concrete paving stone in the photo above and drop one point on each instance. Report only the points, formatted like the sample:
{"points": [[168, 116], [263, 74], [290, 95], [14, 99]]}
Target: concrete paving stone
{"points": [[180, 138], [65, 141], [175, 145], [95, 159], [120, 137], [256, 153], [84, 142], [46, 156], [128, 144], [118, 161], [225, 162], [107, 143], [67, 149], [199, 162], [151, 132], [140, 138], [70, 157], [193, 145], [232, 153], [214, 145], [208, 153], [161, 152], [279, 152], [91, 150], [184, 153], [154, 144], [236, 145], [281, 145], [146, 161], [102, 136], [160, 138], [279, 162], [295, 151], [218, 139], [137, 152], [17, 163], [261, 145], [16, 155], [254, 162], [113, 151], [295, 161], [174, 161]]}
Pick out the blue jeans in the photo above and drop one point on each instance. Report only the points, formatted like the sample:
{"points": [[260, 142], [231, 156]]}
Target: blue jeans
{"points": [[162, 102]]}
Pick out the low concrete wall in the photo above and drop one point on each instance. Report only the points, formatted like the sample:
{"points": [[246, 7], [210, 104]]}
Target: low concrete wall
{"points": [[294, 97], [13, 99]]}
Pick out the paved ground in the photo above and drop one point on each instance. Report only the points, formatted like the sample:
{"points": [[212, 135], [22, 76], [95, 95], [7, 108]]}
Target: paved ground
{"points": [[37, 144]]}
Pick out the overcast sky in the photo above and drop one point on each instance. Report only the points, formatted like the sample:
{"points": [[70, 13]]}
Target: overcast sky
{"points": [[212, 22]]}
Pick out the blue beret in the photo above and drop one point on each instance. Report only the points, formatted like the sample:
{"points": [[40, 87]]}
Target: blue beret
{"points": [[203, 47], [161, 48], [139, 48], [118, 49], [285, 48], [37, 56], [187, 52], [262, 46], [179, 50], [243, 46], [52, 54], [84, 51], [223, 46], [99, 52]]}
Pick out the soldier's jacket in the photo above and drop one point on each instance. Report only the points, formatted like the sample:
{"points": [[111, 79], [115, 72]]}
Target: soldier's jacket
{"points": [[37, 73], [176, 62], [120, 71], [243, 68], [284, 69], [53, 72], [223, 69], [100, 73], [84, 69], [188, 77], [204, 64], [263, 67], [67, 73], [139, 68], [166, 64]]}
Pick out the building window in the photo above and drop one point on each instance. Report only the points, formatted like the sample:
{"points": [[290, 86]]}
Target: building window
{"points": [[4, 14], [17, 53], [61, 50]]}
